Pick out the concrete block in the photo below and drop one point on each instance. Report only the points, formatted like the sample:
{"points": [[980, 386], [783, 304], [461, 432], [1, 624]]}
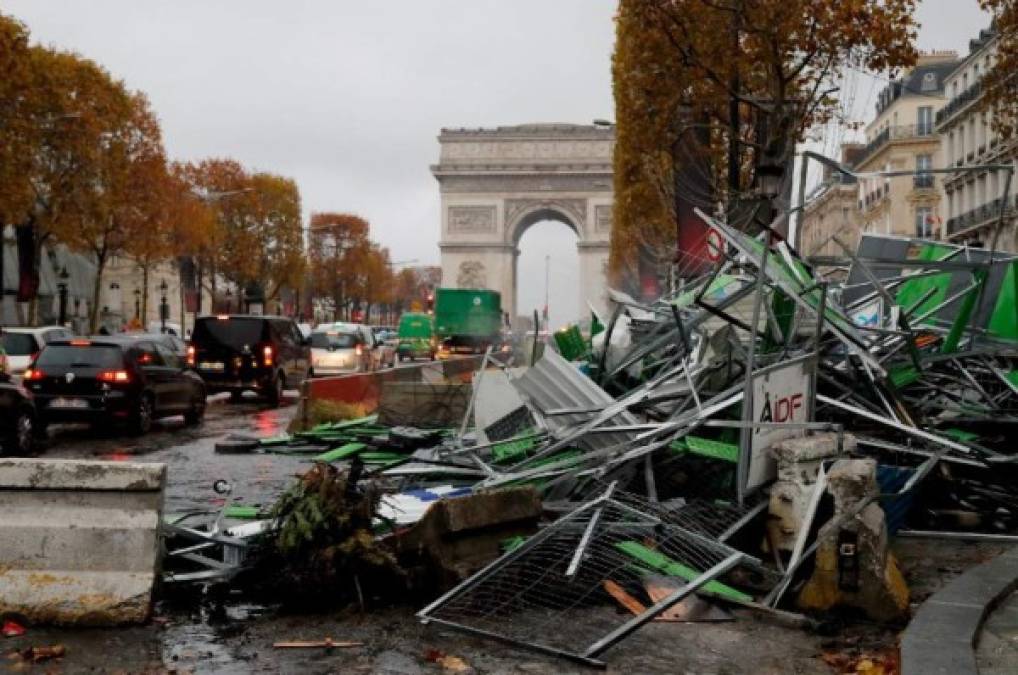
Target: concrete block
{"points": [[851, 481], [798, 461], [424, 405], [858, 571], [457, 537], [80, 540]]}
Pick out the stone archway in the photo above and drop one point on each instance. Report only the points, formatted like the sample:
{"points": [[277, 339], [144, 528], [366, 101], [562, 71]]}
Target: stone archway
{"points": [[496, 183]]}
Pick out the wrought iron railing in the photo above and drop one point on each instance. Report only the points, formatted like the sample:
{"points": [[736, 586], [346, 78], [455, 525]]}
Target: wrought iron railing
{"points": [[980, 215], [956, 104]]}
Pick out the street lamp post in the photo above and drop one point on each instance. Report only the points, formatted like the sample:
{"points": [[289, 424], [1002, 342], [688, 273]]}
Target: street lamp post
{"points": [[62, 290], [137, 304], [164, 308]]}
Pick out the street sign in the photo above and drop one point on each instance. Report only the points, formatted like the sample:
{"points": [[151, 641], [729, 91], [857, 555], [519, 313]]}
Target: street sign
{"points": [[781, 394], [715, 245]]}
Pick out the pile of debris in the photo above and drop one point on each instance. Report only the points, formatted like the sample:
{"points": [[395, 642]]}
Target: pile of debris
{"points": [[753, 439]]}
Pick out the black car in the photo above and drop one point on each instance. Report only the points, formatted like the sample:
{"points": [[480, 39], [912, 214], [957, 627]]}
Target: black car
{"points": [[238, 353], [172, 342], [113, 379], [18, 427]]}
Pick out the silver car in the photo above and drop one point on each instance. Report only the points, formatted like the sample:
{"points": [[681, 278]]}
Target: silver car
{"points": [[337, 352]]}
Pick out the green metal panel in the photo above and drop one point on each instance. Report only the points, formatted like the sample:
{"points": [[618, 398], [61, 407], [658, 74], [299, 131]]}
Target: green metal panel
{"points": [[665, 565], [910, 291], [705, 447], [570, 343], [462, 311], [341, 452], [961, 322], [1004, 320]]}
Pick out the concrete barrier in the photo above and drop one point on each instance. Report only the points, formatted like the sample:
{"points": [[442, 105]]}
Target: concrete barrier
{"points": [[365, 389], [79, 540]]}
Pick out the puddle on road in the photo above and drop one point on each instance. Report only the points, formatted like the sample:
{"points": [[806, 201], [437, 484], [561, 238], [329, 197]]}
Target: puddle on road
{"points": [[196, 641]]}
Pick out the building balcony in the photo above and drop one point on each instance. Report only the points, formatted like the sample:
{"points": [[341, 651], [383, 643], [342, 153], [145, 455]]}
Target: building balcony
{"points": [[896, 133], [958, 103], [923, 181], [874, 198], [981, 215]]}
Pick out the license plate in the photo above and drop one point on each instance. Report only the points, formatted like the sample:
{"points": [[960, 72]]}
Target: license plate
{"points": [[217, 366], [68, 403]]}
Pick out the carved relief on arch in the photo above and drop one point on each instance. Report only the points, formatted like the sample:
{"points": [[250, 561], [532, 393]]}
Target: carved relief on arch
{"points": [[472, 219], [574, 209], [471, 275]]}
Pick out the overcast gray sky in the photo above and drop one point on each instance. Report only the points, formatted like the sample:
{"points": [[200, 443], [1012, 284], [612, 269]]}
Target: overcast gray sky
{"points": [[348, 96]]}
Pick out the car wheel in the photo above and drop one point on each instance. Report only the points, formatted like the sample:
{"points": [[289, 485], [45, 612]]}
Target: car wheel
{"points": [[143, 414], [21, 442], [274, 395], [196, 413]]}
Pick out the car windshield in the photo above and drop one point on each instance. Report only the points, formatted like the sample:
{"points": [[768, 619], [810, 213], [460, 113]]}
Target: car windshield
{"points": [[80, 356], [232, 332], [333, 340], [19, 344]]}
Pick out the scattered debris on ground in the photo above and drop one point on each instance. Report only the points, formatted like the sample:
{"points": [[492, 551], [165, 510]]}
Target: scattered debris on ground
{"points": [[752, 442]]}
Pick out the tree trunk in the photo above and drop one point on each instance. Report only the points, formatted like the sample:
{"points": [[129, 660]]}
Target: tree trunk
{"points": [[144, 295], [93, 318], [33, 303]]}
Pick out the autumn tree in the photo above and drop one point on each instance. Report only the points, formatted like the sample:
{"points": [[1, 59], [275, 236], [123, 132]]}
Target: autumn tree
{"points": [[72, 107], [746, 79], [124, 196], [220, 184], [16, 122], [999, 84], [377, 279], [182, 224], [337, 244], [277, 229]]}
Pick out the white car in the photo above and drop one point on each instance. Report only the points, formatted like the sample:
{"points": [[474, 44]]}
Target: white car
{"points": [[22, 344], [338, 352]]}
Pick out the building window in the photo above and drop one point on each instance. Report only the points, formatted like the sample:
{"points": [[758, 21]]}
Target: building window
{"points": [[924, 122], [923, 178], [924, 222], [929, 82]]}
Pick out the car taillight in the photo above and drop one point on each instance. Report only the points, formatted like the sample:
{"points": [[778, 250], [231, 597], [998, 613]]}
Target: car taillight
{"points": [[267, 355], [359, 350], [115, 376], [33, 374], [190, 356]]}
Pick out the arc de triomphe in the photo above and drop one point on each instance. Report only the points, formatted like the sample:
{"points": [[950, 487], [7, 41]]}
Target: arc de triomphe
{"points": [[496, 183]]}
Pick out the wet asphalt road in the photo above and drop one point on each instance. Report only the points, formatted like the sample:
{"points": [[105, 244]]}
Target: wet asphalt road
{"points": [[189, 453], [189, 635]]}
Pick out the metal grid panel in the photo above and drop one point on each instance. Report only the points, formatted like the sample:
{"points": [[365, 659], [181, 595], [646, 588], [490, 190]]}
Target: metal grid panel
{"points": [[551, 593]]}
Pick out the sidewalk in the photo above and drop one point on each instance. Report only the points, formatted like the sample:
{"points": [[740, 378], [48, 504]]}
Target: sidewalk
{"points": [[963, 618], [997, 652]]}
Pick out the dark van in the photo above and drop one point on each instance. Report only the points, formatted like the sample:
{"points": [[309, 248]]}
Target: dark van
{"points": [[238, 353]]}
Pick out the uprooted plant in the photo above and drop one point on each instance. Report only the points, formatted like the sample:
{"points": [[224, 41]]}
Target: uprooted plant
{"points": [[324, 551]]}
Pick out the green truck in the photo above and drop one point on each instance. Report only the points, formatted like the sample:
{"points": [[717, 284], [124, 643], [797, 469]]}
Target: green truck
{"points": [[467, 321], [416, 337]]}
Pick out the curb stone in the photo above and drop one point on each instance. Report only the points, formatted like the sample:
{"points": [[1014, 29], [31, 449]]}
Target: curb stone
{"points": [[941, 638]]}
